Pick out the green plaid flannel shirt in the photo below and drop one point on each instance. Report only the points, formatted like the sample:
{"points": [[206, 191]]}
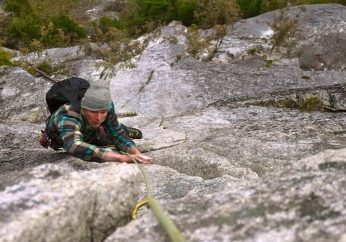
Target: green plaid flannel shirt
{"points": [[76, 136]]}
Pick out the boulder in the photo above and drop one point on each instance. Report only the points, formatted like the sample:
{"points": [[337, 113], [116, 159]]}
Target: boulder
{"points": [[80, 206], [294, 204]]}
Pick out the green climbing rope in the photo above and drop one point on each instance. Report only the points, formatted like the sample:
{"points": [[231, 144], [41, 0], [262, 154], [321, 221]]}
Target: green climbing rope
{"points": [[168, 225], [140, 204]]}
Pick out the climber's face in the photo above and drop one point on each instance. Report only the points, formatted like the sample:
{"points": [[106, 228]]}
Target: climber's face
{"points": [[95, 118]]}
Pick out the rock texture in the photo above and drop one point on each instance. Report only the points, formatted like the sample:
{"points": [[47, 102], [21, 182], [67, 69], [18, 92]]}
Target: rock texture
{"points": [[241, 152], [318, 42], [298, 204], [84, 206], [20, 95]]}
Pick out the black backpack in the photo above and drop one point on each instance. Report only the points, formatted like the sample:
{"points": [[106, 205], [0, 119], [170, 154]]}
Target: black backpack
{"points": [[69, 91]]}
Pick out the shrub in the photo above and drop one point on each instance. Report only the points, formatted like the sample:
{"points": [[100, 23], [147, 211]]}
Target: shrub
{"points": [[42, 20], [212, 12], [4, 22], [48, 9], [269, 5], [250, 8], [18, 7], [58, 32], [36, 46], [312, 103], [22, 30], [70, 28], [5, 58], [119, 48], [105, 23], [195, 43], [45, 66], [159, 10], [268, 63], [142, 16], [185, 11], [285, 32], [108, 30], [117, 6]]}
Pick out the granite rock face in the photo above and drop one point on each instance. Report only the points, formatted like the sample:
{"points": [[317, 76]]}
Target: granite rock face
{"points": [[318, 41], [292, 205], [22, 96], [164, 66], [83, 206], [245, 145]]}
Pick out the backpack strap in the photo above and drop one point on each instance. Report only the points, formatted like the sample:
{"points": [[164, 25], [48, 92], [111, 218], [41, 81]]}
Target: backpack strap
{"points": [[72, 113]]}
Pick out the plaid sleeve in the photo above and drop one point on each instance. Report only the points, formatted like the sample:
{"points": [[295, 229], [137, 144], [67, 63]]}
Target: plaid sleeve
{"points": [[121, 140], [70, 134]]}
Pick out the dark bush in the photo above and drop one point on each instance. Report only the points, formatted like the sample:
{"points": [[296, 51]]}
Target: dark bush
{"points": [[185, 11], [72, 31], [250, 8], [215, 12], [18, 7], [22, 30], [40, 20], [159, 10], [139, 16], [105, 23]]}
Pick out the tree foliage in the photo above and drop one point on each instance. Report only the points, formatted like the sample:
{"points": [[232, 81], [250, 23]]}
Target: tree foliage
{"points": [[251, 8], [140, 15], [58, 23], [41, 20]]}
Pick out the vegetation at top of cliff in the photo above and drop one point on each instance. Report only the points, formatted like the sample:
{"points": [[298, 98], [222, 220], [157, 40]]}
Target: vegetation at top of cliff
{"points": [[61, 23], [251, 8], [48, 22], [141, 16], [64, 23]]}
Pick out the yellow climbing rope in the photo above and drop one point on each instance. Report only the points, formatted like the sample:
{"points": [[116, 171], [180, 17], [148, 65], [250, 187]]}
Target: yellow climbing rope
{"points": [[140, 204], [168, 225]]}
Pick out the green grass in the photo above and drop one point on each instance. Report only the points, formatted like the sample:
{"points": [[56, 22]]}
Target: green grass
{"points": [[310, 104], [5, 58]]}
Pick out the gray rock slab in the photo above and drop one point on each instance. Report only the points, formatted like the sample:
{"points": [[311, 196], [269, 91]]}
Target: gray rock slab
{"points": [[54, 56], [20, 135], [319, 43], [200, 84], [22, 96], [242, 142], [295, 204], [180, 185], [84, 206]]}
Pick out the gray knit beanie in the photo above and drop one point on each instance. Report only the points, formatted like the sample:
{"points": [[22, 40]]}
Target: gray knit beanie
{"points": [[96, 98]]}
